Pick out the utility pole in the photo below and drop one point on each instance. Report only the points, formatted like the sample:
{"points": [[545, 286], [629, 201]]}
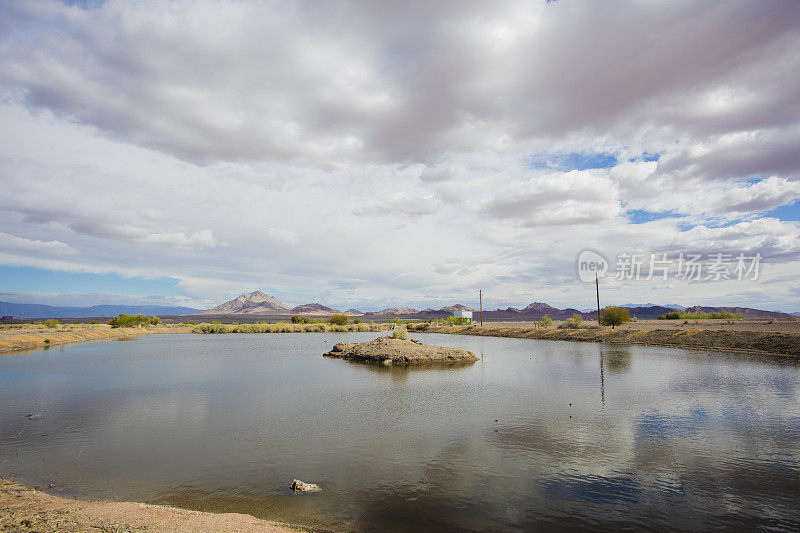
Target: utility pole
{"points": [[597, 288], [480, 299]]}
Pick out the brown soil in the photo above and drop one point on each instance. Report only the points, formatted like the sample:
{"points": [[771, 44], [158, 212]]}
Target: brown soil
{"points": [[389, 351], [749, 336], [27, 510], [34, 337]]}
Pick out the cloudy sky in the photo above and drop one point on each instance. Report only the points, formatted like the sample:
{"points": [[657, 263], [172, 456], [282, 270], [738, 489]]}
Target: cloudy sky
{"points": [[376, 153]]}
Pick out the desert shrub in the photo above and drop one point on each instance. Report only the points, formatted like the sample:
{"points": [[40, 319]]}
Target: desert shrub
{"points": [[128, 321], [546, 321], [51, 323], [614, 316], [677, 315], [356, 321], [212, 328], [297, 319], [339, 319], [460, 321], [574, 322], [400, 333]]}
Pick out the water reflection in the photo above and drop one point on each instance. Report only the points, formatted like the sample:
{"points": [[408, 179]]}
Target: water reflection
{"points": [[618, 359], [678, 440]]}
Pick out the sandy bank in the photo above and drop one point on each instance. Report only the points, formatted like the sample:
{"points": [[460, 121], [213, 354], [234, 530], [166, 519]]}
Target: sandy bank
{"points": [[12, 340], [23, 509], [758, 342]]}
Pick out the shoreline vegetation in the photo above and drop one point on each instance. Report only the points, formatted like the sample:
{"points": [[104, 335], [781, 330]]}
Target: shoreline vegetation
{"points": [[42, 338], [288, 327], [29, 509], [693, 338], [735, 335]]}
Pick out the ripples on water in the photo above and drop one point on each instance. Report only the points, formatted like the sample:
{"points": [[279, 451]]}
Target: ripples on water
{"points": [[535, 434]]}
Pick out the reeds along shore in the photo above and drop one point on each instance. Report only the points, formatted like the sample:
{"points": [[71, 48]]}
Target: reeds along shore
{"points": [[286, 327]]}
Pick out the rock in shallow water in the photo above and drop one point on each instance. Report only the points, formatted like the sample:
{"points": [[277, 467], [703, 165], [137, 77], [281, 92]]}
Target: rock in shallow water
{"points": [[299, 486], [389, 351]]}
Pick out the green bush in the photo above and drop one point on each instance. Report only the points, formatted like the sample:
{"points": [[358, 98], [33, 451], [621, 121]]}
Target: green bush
{"points": [[51, 323], [400, 333], [546, 321], [356, 321], [339, 320], [573, 322], [461, 321], [614, 316], [129, 321]]}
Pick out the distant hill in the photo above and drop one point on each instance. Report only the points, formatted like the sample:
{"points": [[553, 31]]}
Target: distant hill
{"points": [[669, 306], [393, 311], [314, 309], [539, 307], [48, 311], [536, 310], [251, 303], [258, 303], [457, 307], [748, 312]]}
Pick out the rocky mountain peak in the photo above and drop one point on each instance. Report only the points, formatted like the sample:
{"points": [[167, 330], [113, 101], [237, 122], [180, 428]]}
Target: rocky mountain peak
{"points": [[251, 303]]}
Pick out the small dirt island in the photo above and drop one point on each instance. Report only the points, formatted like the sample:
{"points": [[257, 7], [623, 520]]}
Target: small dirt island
{"points": [[389, 351]]}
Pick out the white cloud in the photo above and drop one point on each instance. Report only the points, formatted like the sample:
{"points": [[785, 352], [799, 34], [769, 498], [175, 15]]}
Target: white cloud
{"points": [[561, 199], [398, 204], [12, 243], [379, 152], [183, 241]]}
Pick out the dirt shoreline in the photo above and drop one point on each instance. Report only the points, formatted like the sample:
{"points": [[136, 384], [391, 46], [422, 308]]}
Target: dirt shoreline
{"points": [[695, 337], [18, 340], [25, 509]]}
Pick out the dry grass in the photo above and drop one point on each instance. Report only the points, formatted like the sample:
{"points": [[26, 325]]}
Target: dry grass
{"points": [[287, 327]]}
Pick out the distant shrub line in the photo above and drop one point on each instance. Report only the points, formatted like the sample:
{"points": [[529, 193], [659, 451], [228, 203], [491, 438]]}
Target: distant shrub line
{"points": [[129, 321], [285, 327], [677, 315]]}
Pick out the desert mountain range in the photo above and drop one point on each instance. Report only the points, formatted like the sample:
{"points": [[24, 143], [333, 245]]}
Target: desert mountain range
{"points": [[259, 303]]}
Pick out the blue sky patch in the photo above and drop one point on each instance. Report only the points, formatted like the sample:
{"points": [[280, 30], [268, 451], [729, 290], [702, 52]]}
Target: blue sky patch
{"points": [[29, 279], [646, 156], [785, 212], [640, 216], [566, 162]]}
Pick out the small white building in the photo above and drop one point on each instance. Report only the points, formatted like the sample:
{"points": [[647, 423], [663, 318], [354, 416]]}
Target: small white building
{"points": [[462, 313]]}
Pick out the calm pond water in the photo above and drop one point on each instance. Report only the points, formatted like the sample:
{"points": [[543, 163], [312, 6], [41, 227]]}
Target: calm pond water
{"points": [[536, 434]]}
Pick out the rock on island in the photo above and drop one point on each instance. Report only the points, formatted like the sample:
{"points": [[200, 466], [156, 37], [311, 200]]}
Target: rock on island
{"points": [[389, 351]]}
